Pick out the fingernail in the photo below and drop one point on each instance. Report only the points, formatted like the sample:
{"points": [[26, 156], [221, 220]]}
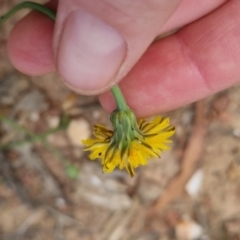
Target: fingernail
{"points": [[90, 52]]}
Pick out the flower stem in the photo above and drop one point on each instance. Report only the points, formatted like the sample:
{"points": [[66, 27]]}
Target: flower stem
{"points": [[35, 6], [118, 96]]}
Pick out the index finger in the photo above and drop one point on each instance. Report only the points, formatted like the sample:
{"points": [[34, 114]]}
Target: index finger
{"points": [[201, 59]]}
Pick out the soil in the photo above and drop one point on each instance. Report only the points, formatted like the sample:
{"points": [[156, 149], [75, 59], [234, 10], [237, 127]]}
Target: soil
{"points": [[49, 189]]}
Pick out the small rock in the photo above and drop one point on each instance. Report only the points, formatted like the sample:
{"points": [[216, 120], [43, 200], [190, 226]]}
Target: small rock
{"points": [[195, 183], [77, 152], [53, 121], [32, 102], [149, 192], [11, 86], [60, 203], [233, 171], [34, 116], [187, 117], [236, 133], [78, 130], [232, 227], [96, 114], [112, 185], [188, 229], [95, 181], [69, 101], [58, 139], [115, 201], [100, 189]]}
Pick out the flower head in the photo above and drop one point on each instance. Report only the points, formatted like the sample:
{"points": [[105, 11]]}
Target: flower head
{"points": [[130, 143]]}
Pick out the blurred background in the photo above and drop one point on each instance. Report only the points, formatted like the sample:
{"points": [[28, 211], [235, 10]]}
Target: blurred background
{"points": [[50, 190]]}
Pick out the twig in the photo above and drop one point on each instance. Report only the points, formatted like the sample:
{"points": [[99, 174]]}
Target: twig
{"points": [[190, 161], [116, 226], [62, 216], [32, 137], [33, 218], [120, 229]]}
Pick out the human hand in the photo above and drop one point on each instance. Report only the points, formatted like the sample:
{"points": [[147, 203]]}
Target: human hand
{"points": [[92, 54]]}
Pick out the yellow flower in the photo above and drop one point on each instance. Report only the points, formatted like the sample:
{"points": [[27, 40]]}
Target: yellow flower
{"points": [[130, 143]]}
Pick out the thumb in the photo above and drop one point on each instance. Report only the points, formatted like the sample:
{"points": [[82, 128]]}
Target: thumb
{"points": [[97, 42]]}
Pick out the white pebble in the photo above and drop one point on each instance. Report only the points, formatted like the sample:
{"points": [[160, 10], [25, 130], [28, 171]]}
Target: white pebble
{"points": [[78, 130], [195, 183], [188, 230]]}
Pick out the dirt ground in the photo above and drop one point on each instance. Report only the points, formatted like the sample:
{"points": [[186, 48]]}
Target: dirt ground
{"points": [[50, 190]]}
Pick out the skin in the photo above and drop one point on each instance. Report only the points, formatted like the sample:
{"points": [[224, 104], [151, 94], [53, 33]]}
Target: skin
{"points": [[202, 58]]}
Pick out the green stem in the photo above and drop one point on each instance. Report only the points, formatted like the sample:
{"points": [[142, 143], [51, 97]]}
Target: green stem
{"points": [[31, 5], [120, 100], [32, 138], [15, 125]]}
